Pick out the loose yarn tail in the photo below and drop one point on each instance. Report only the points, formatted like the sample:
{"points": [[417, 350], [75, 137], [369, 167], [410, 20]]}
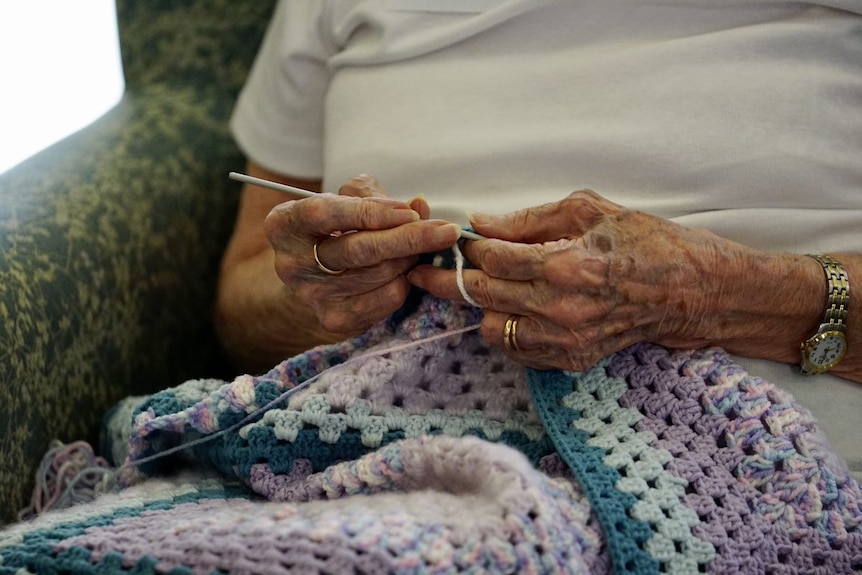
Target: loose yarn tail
{"points": [[68, 474], [73, 473]]}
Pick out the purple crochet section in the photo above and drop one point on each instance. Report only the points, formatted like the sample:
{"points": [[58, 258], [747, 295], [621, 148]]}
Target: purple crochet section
{"points": [[431, 505], [768, 492], [455, 385], [434, 316], [403, 462]]}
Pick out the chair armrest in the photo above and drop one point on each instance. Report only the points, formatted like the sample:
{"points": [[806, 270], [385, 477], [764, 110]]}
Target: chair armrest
{"points": [[110, 243]]}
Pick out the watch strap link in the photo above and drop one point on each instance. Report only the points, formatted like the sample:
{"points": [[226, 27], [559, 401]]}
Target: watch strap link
{"points": [[838, 297]]}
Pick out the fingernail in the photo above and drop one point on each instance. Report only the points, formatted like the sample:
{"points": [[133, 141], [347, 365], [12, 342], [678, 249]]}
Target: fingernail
{"points": [[447, 234], [418, 200], [477, 218]]}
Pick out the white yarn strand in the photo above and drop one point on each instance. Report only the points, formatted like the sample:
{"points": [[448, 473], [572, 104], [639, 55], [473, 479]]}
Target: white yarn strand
{"points": [[459, 276]]}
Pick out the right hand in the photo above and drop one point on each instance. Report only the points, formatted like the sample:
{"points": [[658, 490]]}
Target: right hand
{"points": [[386, 236]]}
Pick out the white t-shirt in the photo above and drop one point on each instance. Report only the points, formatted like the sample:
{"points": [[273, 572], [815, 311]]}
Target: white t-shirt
{"points": [[741, 116]]}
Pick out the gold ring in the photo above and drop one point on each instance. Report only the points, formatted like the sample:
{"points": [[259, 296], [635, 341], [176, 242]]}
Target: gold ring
{"points": [[322, 267], [510, 333]]}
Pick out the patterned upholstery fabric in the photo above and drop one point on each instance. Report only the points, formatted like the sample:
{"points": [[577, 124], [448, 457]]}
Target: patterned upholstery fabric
{"points": [[110, 240]]}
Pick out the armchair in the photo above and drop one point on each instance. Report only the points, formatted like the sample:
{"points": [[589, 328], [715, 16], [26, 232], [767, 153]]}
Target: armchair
{"points": [[110, 240]]}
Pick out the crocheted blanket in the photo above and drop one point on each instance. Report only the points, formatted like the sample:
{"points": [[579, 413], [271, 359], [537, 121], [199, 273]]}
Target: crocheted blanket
{"points": [[417, 448]]}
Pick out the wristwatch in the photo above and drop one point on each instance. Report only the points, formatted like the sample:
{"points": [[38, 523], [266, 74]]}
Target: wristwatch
{"points": [[826, 348]]}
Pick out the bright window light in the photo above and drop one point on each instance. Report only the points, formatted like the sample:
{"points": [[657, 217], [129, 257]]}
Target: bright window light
{"points": [[61, 70]]}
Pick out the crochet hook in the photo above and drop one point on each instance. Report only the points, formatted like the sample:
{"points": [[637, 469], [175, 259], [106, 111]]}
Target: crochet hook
{"points": [[245, 178]]}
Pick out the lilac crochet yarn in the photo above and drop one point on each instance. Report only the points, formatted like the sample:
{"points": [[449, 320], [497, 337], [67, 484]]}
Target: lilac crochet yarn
{"points": [[653, 461]]}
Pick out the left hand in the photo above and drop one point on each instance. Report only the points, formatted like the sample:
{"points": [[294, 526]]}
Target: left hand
{"points": [[588, 278]]}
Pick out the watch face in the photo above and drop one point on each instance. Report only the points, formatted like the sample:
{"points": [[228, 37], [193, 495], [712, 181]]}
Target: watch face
{"points": [[827, 349]]}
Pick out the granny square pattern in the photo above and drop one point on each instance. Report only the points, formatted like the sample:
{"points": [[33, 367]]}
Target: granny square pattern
{"points": [[418, 448]]}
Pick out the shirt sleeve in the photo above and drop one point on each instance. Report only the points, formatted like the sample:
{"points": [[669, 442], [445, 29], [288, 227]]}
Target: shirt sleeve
{"points": [[278, 119]]}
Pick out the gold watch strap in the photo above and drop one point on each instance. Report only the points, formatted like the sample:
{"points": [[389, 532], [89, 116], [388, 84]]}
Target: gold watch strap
{"points": [[839, 292]]}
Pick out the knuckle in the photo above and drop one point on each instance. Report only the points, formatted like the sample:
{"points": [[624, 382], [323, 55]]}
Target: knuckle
{"points": [[585, 194], [481, 291], [367, 214], [394, 294], [334, 321], [359, 251], [360, 185], [492, 261], [351, 188], [524, 218], [579, 201], [316, 211], [329, 323], [585, 207], [277, 221], [589, 201], [367, 181], [407, 240], [346, 190]]}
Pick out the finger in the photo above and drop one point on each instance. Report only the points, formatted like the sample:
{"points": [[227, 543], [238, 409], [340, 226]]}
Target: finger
{"points": [[535, 332], [565, 262], [359, 311], [508, 260], [370, 248], [358, 280], [420, 206], [543, 344], [367, 186], [297, 268], [362, 186], [520, 343], [491, 293], [521, 297], [321, 215], [570, 217]]}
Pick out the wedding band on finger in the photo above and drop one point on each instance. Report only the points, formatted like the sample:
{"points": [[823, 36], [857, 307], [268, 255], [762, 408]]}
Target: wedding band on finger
{"points": [[320, 265], [510, 333]]}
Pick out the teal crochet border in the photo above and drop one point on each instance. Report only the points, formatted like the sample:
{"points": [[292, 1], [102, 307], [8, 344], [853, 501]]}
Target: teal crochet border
{"points": [[233, 455], [35, 552], [624, 535]]}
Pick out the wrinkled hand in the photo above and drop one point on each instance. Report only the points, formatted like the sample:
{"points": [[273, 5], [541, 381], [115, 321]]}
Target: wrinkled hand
{"points": [[589, 278], [386, 237]]}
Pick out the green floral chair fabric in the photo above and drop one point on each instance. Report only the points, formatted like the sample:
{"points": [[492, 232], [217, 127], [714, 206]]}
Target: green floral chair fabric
{"points": [[110, 240]]}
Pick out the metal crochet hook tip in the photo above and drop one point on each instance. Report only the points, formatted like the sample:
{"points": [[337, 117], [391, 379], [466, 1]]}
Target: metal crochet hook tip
{"points": [[307, 194]]}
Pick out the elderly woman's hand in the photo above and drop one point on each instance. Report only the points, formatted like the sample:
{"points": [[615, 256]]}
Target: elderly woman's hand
{"points": [[585, 277], [365, 243]]}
